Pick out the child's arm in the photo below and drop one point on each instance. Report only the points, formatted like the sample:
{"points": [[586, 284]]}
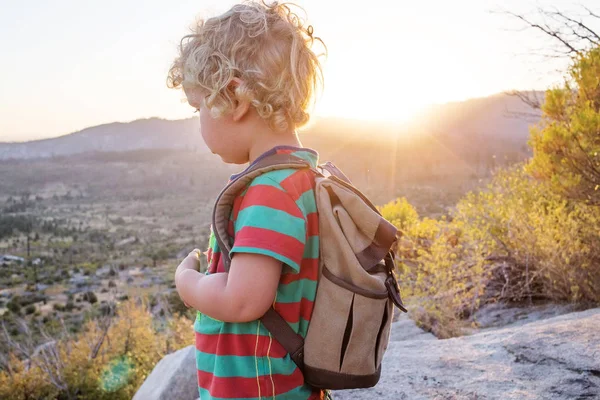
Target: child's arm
{"points": [[269, 232], [244, 294]]}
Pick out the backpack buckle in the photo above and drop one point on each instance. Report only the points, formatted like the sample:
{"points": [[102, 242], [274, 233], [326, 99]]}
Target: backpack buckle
{"points": [[391, 283], [394, 291]]}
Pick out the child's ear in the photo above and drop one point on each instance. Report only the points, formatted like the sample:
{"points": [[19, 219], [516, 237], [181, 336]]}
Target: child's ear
{"points": [[241, 105]]}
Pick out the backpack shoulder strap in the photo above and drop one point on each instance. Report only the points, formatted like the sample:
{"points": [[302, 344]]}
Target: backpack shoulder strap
{"points": [[272, 320], [332, 170]]}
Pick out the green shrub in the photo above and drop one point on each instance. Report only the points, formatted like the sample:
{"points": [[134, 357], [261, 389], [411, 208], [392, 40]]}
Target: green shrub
{"points": [[90, 297], [566, 145], [14, 306]]}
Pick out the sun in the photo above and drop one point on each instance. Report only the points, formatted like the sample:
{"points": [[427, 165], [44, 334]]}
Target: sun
{"points": [[388, 110], [347, 94], [370, 82]]}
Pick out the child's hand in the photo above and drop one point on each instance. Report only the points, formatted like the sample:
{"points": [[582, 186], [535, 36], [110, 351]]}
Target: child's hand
{"points": [[194, 255], [192, 261]]}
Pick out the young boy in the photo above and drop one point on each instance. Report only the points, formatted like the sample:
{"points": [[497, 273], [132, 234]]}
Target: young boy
{"points": [[251, 74]]}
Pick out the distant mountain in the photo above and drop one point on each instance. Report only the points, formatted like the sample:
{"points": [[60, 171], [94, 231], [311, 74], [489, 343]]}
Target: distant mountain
{"points": [[498, 116], [461, 126], [446, 143], [152, 133]]}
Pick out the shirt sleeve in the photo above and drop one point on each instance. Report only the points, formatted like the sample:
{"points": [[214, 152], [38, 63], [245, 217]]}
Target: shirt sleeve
{"points": [[269, 222]]}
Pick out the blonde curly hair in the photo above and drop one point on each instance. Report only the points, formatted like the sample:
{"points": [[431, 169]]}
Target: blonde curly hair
{"points": [[268, 47]]}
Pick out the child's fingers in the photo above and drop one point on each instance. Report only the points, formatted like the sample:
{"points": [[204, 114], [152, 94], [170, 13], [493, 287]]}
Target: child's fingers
{"points": [[196, 252]]}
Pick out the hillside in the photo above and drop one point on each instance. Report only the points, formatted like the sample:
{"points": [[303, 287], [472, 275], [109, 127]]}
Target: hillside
{"points": [[152, 133], [475, 122], [498, 116], [433, 163]]}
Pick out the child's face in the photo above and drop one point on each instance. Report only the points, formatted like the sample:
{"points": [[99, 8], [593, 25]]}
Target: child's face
{"points": [[220, 134]]}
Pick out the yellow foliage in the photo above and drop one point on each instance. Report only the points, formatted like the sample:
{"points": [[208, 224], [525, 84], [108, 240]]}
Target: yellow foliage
{"points": [[514, 241], [400, 213], [179, 333], [24, 382], [82, 360]]}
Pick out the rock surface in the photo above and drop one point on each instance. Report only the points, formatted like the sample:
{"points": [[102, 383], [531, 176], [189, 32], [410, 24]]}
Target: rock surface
{"points": [[555, 358], [498, 315], [406, 329], [174, 377], [537, 354]]}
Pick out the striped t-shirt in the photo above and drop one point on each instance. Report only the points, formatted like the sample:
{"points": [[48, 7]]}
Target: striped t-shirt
{"points": [[275, 216]]}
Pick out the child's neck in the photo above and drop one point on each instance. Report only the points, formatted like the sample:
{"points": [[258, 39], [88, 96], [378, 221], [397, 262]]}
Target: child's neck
{"points": [[268, 142]]}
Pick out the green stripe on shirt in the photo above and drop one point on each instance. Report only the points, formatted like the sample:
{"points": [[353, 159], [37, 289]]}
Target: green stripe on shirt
{"points": [[271, 219], [209, 326], [255, 250], [306, 202], [241, 366]]}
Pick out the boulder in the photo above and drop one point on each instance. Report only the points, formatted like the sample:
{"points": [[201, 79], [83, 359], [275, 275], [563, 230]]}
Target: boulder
{"points": [[551, 359], [500, 315], [174, 377], [556, 358], [406, 329]]}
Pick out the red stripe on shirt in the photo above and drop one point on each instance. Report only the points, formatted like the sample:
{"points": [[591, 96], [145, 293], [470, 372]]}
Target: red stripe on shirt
{"points": [[267, 239], [292, 312], [237, 345], [220, 265], [285, 151], [309, 269], [298, 183], [312, 224], [230, 229], [236, 387], [272, 197], [237, 202], [216, 264]]}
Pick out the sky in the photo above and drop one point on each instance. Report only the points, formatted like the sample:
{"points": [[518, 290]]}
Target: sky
{"points": [[71, 64]]}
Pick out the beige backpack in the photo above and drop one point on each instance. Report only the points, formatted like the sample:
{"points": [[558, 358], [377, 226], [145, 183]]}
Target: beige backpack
{"points": [[357, 288]]}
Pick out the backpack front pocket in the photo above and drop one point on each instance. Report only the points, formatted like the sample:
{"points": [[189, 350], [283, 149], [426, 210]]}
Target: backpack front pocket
{"points": [[345, 334]]}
